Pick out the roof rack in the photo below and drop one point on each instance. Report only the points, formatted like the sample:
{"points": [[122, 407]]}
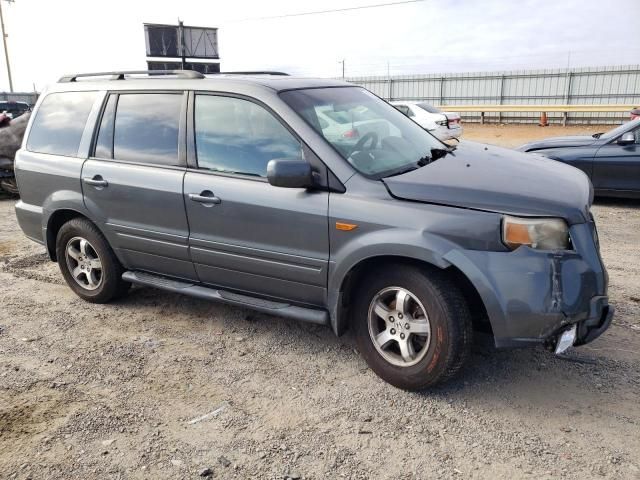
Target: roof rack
{"points": [[264, 72], [122, 75]]}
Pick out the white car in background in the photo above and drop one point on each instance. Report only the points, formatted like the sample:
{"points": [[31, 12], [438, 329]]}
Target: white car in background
{"points": [[348, 126], [442, 125]]}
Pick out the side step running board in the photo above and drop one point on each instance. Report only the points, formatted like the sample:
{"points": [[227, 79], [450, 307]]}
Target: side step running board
{"points": [[281, 309]]}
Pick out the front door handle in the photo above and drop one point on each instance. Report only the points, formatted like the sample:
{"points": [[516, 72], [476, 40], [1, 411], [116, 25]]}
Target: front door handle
{"points": [[206, 197], [96, 181]]}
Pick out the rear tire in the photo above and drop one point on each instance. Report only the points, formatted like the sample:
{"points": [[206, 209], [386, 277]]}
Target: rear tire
{"points": [[88, 263], [412, 326]]}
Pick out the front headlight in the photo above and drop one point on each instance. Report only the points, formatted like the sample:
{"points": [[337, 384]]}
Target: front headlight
{"points": [[539, 233]]}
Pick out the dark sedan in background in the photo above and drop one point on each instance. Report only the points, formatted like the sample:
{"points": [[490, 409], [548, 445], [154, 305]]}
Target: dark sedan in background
{"points": [[611, 159]]}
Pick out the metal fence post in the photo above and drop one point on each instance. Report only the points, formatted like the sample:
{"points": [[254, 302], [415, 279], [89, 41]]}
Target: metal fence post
{"points": [[501, 97], [567, 97]]}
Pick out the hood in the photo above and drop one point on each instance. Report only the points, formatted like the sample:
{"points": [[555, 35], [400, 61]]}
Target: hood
{"points": [[495, 179], [555, 142]]}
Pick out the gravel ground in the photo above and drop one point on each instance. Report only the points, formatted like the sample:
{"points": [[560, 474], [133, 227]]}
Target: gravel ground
{"points": [[164, 386]]}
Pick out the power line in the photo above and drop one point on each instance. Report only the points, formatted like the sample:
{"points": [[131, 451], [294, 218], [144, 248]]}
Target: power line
{"points": [[333, 10]]}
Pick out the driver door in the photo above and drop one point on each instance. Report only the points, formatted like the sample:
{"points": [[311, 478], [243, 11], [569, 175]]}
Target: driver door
{"points": [[616, 167], [245, 234]]}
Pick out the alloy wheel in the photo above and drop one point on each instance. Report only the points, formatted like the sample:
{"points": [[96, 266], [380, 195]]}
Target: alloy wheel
{"points": [[84, 263], [399, 326]]}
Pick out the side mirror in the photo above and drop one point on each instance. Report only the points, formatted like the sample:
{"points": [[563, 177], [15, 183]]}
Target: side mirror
{"points": [[627, 139], [289, 173]]}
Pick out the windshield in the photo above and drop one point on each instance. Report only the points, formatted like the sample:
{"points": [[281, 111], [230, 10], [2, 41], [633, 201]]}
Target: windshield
{"points": [[620, 130], [376, 139], [428, 108]]}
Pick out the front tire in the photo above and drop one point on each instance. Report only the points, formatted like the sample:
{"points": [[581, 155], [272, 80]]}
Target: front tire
{"points": [[87, 262], [412, 326]]}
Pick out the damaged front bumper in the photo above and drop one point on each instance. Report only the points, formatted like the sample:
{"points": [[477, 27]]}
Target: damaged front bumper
{"points": [[533, 296]]}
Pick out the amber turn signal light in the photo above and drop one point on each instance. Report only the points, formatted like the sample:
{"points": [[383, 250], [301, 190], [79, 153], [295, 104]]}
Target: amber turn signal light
{"points": [[347, 227]]}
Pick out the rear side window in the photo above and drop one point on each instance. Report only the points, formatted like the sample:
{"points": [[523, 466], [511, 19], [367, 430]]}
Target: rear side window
{"points": [[146, 128], [59, 123], [238, 136]]}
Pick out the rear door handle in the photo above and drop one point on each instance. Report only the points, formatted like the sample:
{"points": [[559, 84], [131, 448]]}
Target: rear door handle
{"points": [[206, 197], [96, 181]]}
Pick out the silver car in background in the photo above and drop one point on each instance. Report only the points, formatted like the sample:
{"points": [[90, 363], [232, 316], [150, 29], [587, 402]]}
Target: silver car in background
{"points": [[442, 125]]}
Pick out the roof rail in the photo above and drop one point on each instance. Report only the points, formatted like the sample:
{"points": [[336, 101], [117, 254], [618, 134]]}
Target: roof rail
{"points": [[264, 72], [122, 75]]}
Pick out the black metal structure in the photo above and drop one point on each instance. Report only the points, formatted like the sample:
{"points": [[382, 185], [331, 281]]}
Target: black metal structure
{"points": [[205, 68]]}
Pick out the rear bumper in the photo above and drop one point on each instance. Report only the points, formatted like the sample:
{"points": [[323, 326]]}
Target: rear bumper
{"points": [[30, 220], [532, 296]]}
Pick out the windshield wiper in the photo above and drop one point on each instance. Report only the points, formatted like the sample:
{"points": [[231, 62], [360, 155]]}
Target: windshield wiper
{"points": [[436, 154], [597, 135]]}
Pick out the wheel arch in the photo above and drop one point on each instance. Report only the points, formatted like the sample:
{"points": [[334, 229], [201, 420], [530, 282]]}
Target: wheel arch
{"points": [[55, 221], [340, 312]]}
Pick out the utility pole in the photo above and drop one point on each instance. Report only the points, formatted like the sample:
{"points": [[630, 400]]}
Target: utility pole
{"points": [[339, 61], [182, 49], [6, 52]]}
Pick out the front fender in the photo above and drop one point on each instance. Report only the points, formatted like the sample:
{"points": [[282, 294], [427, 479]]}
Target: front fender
{"points": [[397, 242]]}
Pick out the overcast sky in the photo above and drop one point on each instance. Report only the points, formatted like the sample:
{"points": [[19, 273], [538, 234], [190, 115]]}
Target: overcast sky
{"points": [[48, 38]]}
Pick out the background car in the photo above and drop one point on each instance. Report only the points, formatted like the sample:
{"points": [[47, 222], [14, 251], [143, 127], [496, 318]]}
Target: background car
{"points": [[14, 109], [611, 159], [346, 127], [443, 125]]}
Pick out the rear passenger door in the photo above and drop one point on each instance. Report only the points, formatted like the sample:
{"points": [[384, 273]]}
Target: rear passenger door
{"points": [[133, 182], [246, 234]]}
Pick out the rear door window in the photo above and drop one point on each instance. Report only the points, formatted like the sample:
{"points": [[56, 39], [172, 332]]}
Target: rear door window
{"points": [[146, 128], [59, 123]]}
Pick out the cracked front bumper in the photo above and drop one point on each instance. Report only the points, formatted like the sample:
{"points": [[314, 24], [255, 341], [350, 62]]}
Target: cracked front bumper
{"points": [[531, 296]]}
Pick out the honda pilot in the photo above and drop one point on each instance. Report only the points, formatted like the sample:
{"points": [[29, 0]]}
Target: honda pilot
{"points": [[236, 189]]}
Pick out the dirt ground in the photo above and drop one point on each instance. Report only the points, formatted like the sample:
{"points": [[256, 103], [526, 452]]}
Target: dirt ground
{"points": [[513, 136], [165, 386]]}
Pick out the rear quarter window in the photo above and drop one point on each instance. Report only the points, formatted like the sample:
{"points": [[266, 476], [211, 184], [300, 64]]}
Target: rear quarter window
{"points": [[59, 123]]}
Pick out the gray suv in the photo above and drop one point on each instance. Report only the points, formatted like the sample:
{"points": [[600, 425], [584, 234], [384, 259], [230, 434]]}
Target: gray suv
{"points": [[232, 188]]}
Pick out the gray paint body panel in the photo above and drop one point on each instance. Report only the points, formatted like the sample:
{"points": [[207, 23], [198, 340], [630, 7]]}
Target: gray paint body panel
{"points": [[500, 180], [282, 243], [278, 234], [141, 212]]}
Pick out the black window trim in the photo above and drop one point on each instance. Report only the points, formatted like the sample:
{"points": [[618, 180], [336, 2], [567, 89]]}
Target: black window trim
{"points": [[182, 128]]}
